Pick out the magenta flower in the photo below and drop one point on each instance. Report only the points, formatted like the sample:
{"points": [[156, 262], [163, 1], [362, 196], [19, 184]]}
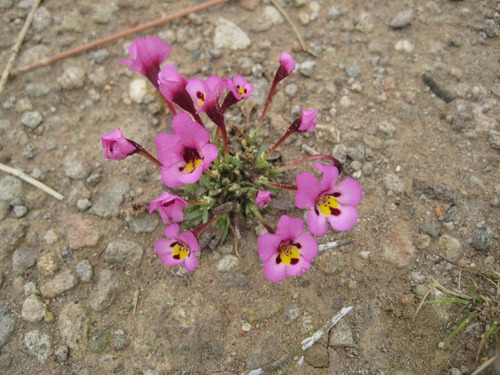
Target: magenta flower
{"points": [[327, 201], [178, 248], [147, 55], [263, 198], [308, 120], [287, 63], [239, 88], [172, 86], [116, 146], [186, 153], [205, 94], [288, 252], [170, 207]]}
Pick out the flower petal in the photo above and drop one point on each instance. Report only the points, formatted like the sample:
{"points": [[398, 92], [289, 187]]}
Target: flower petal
{"points": [[309, 246], [350, 192], [162, 247], [169, 260], [190, 262], [307, 190], [274, 272], [268, 245], [171, 231], [192, 134], [289, 228], [209, 153], [189, 239], [330, 175], [317, 224], [346, 220], [299, 268]]}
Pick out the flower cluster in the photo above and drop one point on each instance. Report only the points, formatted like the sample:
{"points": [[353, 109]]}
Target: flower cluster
{"points": [[220, 181]]}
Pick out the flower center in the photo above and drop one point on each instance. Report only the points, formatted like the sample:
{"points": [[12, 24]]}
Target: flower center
{"points": [[327, 204], [193, 160], [241, 90], [288, 253], [201, 98], [180, 250]]}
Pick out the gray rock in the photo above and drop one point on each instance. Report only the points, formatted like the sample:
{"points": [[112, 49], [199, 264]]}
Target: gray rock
{"points": [[417, 277], [99, 341], [494, 139], [433, 190], [20, 211], [260, 310], [100, 56], [108, 287], [108, 204], [72, 78], [356, 153], [307, 68], [10, 188], [144, 223], [421, 290], [6, 4], [22, 259], [387, 128], [453, 370], [75, 167], [432, 228], [393, 183], [291, 314], [291, 90], [317, 356], [402, 19], [12, 234], [229, 35], [42, 19], [32, 119], [34, 309], [228, 263], [59, 284], [264, 21], [36, 90], [341, 335], [364, 23], [234, 280], [4, 124], [104, 13], [73, 324], [5, 361], [39, 344], [61, 353], [7, 326], [124, 253], [340, 152], [84, 271], [119, 341], [265, 350], [353, 70], [482, 239]]}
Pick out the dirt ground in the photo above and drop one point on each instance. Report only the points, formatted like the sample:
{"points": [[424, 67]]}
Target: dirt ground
{"points": [[408, 98]]}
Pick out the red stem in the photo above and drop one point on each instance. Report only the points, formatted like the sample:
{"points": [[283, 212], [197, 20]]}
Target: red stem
{"points": [[337, 163], [142, 151], [281, 186], [202, 227]]}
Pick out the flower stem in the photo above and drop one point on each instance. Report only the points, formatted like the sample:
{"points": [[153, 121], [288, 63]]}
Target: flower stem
{"points": [[281, 186], [259, 217], [337, 163], [171, 108], [142, 151], [202, 227], [268, 100]]}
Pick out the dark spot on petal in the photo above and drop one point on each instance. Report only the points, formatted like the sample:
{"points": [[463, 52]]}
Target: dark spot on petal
{"points": [[336, 194], [174, 243], [298, 245], [294, 261], [316, 211], [200, 95], [278, 260], [177, 257], [334, 211]]}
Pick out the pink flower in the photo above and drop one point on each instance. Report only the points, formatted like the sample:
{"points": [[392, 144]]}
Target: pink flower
{"points": [[239, 88], [186, 153], [288, 252], [170, 207], [327, 201], [308, 120], [172, 86], [116, 146], [147, 55], [178, 248], [287, 62], [263, 198], [205, 94]]}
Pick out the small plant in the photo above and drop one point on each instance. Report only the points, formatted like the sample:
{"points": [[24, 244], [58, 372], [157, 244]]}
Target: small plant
{"points": [[217, 179]]}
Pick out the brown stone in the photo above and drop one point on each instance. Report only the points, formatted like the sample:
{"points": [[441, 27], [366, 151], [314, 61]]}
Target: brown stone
{"points": [[81, 233]]}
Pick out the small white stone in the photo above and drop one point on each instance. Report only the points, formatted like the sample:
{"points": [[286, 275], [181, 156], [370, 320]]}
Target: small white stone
{"points": [[51, 237], [246, 327], [364, 255], [229, 35], [138, 90], [228, 263], [404, 45]]}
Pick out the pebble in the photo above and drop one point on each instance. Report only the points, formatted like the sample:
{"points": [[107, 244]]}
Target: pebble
{"points": [[34, 309], [50, 237], [108, 203], [417, 277], [482, 239], [20, 211], [387, 128], [42, 19], [364, 255], [48, 264], [228, 263], [100, 56], [365, 23], [108, 287], [228, 35], [494, 139], [341, 336], [23, 259], [61, 353], [334, 13], [59, 284], [421, 290], [291, 90], [450, 247], [12, 234], [7, 326], [402, 19], [394, 183], [99, 341], [291, 314], [119, 341], [356, 153], [339, 152], [75, 167], [124, 254], [104, 13], [144, 223], [353, 70], [270, 16], [307, 68], [81, 233], [422, 241], [39, 344], [72, 78], [73, 324], [138, 90], [4, 124], [317, 356], [30, 288], [233, 280], [10, 188], [432, 228], [84, 271], [404, 45], [83, 204], [261, 309]]}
